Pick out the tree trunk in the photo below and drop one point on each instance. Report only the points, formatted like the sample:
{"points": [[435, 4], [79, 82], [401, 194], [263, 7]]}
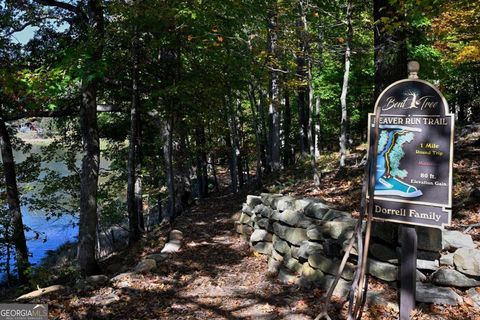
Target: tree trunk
{"points": [[214, 173], [263, 131], [201, 155], [258, 144], [236, 142], [91, 145], [311, 106], [301, 104], [181, 170], [159, 204], [287, 130], [134, 188], [317, 116], [88, 180], [167, 139], [317, 173], [273, 92], [304, 74], [13, 200], [343, 96], [390, 53], [232, 160]]}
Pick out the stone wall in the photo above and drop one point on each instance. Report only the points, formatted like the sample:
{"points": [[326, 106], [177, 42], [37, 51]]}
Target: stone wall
{"points": [[115, 238], [305, 241]]}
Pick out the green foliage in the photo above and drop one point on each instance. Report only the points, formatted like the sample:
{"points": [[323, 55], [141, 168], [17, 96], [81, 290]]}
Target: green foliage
{"points": [[201, 64]]}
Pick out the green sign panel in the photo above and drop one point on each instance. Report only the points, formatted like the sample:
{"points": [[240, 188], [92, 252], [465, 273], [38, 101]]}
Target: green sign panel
{"points": [[413, 182]]}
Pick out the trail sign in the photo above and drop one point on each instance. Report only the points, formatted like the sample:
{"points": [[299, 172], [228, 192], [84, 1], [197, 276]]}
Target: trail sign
{"points": [[413, 181]]}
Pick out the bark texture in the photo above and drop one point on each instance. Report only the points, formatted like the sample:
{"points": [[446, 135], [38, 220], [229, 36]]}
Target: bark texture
{"points": [[273, 91], [346, 75], [13, 200], [134, 186], [91, 145]]}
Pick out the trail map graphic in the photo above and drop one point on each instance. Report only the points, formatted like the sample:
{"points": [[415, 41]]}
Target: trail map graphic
{"points": [[390, 152]]}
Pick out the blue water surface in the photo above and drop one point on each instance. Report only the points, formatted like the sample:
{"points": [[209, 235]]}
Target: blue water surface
{"points": [[52, 234]]}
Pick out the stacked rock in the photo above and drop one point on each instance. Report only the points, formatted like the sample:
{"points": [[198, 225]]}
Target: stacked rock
{"points": [[305, 241]]}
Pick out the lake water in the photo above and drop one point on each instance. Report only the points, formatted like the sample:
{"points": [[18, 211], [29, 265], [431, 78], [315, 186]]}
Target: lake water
{"points": [[53, 232]]}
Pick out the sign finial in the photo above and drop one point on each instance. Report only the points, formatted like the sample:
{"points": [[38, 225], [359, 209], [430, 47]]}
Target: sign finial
{"points": [[413, 68]]}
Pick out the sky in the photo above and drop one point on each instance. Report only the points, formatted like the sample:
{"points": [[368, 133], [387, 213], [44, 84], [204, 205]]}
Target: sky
{"points": [[25, 35]]}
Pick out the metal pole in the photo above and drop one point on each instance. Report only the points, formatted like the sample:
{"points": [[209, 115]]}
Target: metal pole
{"points": [[408, 270]]}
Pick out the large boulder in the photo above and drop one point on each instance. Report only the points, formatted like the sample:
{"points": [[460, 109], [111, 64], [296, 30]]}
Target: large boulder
{"points": [[172, 246], [258, 208], [475, 296], [145, 265], [262, 211], [244, 218], [315, 233], [267, 212], [263, 223], [453, 240], [383, 253], [447, 259], [382, 270], [330, 266], [280, 245], [294, 236], [428, 264], [158, 257], [284, 203], [288, 217], [428, 255], [260, 235], [263, 247], [310, 274], [429, 293], [335, 229], [308, 248], [277, 256], [331, 229], [97, 280], [293, 264], [253, 201], [429, 239], [453, 278], [467, 261], [316, 210], [244, 230], [247, 209], [175, 235], [269, 198], [301, 204], [385, 231]]}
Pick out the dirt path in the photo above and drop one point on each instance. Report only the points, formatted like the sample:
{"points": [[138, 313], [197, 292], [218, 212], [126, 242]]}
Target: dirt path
{"points": [[214, 276]]}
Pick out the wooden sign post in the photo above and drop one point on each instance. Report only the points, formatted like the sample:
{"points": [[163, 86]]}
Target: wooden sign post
{"points": [[413, 179]]}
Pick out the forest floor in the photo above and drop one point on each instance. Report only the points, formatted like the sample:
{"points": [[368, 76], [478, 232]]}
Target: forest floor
{"points": [[216, 275]]}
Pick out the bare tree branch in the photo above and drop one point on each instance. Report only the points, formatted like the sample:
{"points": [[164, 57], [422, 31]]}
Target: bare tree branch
{"points": [[62, 5], [55, 113]]}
